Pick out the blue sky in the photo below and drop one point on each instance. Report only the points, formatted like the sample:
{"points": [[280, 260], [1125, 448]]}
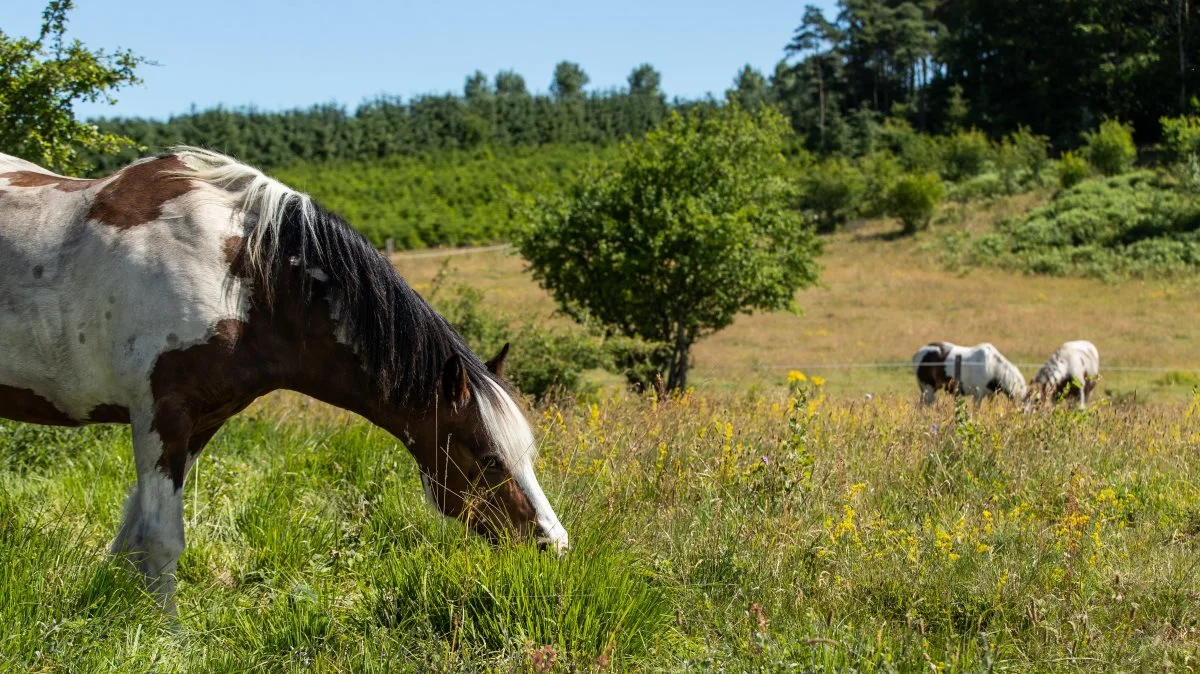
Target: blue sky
{"points": [[276, 54]]}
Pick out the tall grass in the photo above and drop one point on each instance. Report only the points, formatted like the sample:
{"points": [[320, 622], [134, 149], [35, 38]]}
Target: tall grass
{"points": [[730, 532]]}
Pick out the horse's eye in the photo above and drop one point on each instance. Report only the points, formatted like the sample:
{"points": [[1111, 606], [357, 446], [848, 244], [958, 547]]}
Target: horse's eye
{"points": [[490, 463]]}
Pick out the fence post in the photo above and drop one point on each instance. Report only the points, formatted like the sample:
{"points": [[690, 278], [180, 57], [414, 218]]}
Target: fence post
{"points": [[390, 246], [958, 372]]}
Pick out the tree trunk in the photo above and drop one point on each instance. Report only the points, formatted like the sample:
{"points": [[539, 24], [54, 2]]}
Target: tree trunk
{"points": [[821, 101], [1181, 18], [921, 121], [677, 377]]}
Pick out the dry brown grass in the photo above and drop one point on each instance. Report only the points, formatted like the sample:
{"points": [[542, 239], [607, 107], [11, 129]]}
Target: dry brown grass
{"points": [[881, 299]]}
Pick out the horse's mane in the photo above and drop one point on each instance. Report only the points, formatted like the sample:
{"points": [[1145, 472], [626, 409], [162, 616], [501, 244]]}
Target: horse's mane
{"points": [[399, 337]]}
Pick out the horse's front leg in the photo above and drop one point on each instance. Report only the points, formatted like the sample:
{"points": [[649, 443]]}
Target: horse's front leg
{"points": [[151, 534]]}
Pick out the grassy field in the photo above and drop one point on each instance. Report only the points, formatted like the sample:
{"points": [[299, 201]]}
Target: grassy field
{"points": [[710, 533], [765, 522]]}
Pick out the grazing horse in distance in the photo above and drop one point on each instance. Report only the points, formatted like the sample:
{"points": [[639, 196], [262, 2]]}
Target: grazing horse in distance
{"points": [[174, 292], [1071, 371], [984, 371]]}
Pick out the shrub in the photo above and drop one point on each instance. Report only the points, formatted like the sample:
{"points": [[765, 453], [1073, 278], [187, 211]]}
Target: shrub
{"points": [[880, 170], [1181, 137], [965, 155], [1072, 169], [1009, 166], [916, 151], [983, 186], [637, 360], [913, 199], [543, 362], [1021, 159], [1136, 224], [1110, 148], [833, 191]]}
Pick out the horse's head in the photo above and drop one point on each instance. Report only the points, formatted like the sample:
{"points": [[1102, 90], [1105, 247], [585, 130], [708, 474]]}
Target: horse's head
{"points": [[476, 453], [1035, 395]]}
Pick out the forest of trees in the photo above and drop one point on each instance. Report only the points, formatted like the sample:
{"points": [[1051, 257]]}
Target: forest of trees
{"points": [[1057, 68]]}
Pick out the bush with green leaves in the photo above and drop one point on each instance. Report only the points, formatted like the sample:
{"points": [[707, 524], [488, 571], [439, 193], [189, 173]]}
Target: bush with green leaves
{"points": [[1032, 151], [914, 198], [543, 361], [915, 151], [1021, 159], [965, 155], [832, 191], [1072, 169], [1110, 148], [1141, 223], [1181, 137], [880, 170]]}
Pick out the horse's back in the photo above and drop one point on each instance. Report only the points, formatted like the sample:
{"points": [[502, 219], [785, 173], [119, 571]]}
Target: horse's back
{"points": [[97, 277]]}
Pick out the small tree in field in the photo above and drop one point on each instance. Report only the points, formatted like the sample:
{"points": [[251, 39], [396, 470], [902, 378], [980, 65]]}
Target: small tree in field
{"points": [[40, 82], [682, 232]]}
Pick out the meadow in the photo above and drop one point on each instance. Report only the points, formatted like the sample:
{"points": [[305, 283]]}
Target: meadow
{"points": [[710, 533], [778, 517]]}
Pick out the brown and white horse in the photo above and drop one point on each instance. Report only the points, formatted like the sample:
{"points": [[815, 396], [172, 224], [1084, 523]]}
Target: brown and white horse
{"points": [[984, 370], [174, 292], [1070, 372]]}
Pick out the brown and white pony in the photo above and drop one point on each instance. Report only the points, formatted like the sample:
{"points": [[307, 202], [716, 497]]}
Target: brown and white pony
{"points": [[1070, 372], [174, 292], [984, 371]]}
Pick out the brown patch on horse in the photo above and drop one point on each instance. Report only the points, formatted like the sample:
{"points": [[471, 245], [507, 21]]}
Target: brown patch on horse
{"points": [[234, 251], [22, 404], [136, 194], [932, 369], [108, 413], [35, 179], [197, 388]]}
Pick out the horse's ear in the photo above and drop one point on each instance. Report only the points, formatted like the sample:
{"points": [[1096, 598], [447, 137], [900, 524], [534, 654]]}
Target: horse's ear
{"points": [[455, 389], [496, 364]]}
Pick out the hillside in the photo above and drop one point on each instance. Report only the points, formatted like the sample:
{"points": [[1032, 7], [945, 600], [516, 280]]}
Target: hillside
{"points": [[448, 198]]}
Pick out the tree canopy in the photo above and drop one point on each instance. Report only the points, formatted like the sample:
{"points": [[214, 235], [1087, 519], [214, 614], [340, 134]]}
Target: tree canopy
{"points": [[42, 79], [679, 233]]}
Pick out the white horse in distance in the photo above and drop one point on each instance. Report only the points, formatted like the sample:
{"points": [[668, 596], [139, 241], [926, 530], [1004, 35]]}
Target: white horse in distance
{"points": [[984, 371], [1070, 372]]}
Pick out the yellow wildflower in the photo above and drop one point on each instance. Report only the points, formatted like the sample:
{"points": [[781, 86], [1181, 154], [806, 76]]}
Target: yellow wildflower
{"points": [[796, 376]]}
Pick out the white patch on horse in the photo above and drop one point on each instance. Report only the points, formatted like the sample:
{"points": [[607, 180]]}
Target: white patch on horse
{"points": [[517, 448]]}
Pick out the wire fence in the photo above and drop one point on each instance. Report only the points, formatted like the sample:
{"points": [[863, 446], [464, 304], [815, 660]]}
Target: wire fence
{"points": [[883, 365], [452, 252]]}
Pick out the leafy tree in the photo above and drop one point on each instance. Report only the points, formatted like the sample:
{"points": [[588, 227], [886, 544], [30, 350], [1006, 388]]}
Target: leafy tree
{"points": [[645, 81], [679, 234], [820, 40], [41, 81], [569, 80], [750, 88], [476, 87], [510, 83]]}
